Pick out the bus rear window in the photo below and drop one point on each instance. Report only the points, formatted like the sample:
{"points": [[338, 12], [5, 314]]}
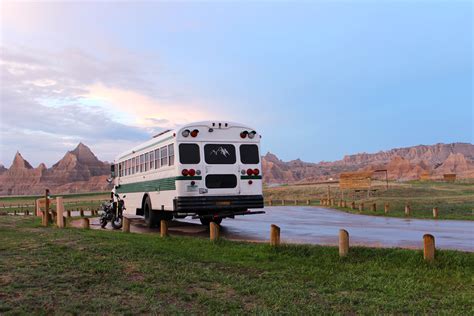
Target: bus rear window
{"points": [[189, 154], [219, 154], [249, 154], [221, 181]]}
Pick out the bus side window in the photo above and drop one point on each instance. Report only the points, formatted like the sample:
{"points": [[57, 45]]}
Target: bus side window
{"points": [[147, 161], [157, 158], [164, 156], [142, 161], [171, 154], [137, 164], [152, 159]]}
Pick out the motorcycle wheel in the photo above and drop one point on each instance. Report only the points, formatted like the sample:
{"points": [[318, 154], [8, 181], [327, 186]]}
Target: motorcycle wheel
{"points": [[103, 222], [117, 222]]}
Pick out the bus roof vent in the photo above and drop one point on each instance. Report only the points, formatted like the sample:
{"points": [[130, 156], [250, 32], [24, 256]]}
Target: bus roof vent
{"points": [[164, 132]]}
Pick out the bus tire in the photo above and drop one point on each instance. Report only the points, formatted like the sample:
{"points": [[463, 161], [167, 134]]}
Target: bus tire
{"points": [[151, 218]]}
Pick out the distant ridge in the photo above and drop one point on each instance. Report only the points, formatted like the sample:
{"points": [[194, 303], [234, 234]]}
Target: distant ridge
{"points": [[81, 171], [78, 171], [406, 163]]}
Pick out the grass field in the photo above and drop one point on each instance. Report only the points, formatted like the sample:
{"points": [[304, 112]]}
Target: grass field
{"points": [[454, 200], [73, 271]]}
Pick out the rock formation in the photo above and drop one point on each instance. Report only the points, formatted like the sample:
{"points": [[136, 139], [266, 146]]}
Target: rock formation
{"points": [[402, 164], [78, 171]]}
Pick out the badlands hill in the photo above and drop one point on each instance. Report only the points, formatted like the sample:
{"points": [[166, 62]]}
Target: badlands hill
{"points": [[81, 171], [78, 171], [402, 164]]}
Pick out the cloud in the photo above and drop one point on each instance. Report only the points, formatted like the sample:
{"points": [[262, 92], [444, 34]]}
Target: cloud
{"points": [[54, 100]]}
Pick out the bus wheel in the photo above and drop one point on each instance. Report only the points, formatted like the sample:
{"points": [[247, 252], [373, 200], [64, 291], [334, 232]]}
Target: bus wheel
{"points": [[207, 221], [151, 218]]}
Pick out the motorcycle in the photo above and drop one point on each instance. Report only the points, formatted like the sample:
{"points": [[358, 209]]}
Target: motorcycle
{"points": [[112, 212]]}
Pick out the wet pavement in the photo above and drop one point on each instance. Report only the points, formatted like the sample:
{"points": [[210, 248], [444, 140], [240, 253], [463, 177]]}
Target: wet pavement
{"points": [[315, 225]]}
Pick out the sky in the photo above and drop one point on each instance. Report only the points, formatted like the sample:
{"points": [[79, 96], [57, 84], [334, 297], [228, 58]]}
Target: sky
{"points": [[318, 79]]}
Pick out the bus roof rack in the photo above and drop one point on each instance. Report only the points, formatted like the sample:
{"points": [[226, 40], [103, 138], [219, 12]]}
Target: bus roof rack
{"points": [[159, 134]]}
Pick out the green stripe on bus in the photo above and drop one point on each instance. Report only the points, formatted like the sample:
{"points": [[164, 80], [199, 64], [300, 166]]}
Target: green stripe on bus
{"points": [[189, 178], [166, 184], [250, 177]]}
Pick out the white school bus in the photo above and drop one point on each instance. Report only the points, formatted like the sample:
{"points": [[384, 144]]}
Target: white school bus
{"points": [[207, 170]]}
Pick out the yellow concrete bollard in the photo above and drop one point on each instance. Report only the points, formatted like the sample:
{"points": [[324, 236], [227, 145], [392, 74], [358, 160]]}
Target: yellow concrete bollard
{"points": [[274, 235], [386, 208], [85, 223], [308, 202], [164, 228], [213, 231], [126, 225], [296, 202], [282, 202], [343, 243], [428, 247], [435, 212]]}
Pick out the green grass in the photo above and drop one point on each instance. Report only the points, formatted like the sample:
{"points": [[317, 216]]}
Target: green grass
{"points": [[73, 271], [454, 200]]}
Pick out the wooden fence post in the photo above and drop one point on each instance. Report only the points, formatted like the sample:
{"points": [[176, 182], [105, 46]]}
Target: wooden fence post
{"points": [[68, 213], [308, 202], [343, 243], [269, 202], [274, 235], [407, 210], [361, 206], [85, 223], [386, 208], [213, 231], [126, 225], [435, 212], [353, 205], [296, 202], [59, 212], [81, 212], [374, 207], [164, 228], [282, 202], [428, 247], [344, 204]]}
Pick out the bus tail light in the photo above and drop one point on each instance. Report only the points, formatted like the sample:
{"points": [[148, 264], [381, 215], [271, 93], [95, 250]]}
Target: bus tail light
{"points": [[185, 133], [243, 134], [185, 172], [256, 172], [252, 134], [191, 172], [194, 133], [249, 172]]}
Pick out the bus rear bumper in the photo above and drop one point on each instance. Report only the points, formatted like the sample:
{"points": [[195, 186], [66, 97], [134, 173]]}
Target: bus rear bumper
{"points": [[221, 203]]}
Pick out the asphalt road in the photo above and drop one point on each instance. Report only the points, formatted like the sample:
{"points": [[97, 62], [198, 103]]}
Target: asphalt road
{"points": [[314, 225]]}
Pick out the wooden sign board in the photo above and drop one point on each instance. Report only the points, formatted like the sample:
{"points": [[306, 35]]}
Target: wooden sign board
{"points": [[449, 177], [425, 176], [355, 180]]}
